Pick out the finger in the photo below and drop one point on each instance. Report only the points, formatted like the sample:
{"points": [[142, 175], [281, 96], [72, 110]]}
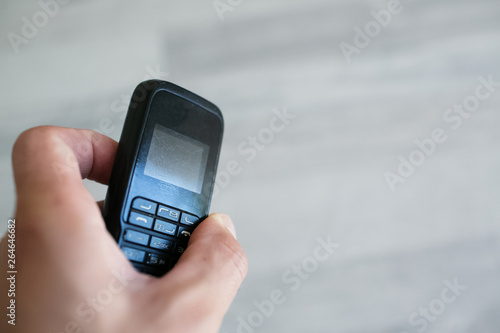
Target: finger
{"points": [[216, 259], [57, 152], [50, 162]]}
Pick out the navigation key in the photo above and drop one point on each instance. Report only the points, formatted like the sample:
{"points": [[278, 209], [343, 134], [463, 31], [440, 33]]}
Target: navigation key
{"points": [[144, 205]]}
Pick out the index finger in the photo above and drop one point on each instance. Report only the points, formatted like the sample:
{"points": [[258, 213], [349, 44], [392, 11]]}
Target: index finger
{"points": [[49, 164]]}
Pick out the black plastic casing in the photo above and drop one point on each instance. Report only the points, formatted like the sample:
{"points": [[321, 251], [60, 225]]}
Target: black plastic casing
{"points": [[159, 102]]}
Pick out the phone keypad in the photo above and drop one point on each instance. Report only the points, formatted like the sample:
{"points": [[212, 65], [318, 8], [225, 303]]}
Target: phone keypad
{"points": [[163, 236]]}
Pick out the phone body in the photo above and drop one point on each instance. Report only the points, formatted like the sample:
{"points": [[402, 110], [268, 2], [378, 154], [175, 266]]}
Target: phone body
{"points": [[163, 175]]}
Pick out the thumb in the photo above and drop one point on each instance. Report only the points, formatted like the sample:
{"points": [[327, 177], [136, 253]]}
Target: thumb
{"points": [[214, 252], [213, 265]]}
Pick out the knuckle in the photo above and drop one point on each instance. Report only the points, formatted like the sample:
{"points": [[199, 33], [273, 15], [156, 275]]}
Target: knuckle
{"points": [[32, 137]]}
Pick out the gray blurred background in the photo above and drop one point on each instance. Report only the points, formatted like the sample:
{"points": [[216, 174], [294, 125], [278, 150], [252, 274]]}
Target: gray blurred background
{"points": [[324, 174]]}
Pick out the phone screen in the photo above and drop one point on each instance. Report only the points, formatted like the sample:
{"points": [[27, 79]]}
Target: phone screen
{"points": [[176, 159]]}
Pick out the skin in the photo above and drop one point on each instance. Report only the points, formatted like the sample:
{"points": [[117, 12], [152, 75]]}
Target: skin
{"points": [[72, 276]]}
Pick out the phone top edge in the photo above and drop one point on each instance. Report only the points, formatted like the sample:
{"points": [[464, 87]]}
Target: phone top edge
{"points": [[172, 88]]}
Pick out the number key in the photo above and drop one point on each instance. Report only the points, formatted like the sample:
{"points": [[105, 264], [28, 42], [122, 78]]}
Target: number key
{"points": [[136, 237], [162, 244], [133, 254], [156, 260]]}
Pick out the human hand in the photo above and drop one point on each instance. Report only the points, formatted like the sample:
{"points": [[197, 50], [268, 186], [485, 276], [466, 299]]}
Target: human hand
{"points": [[72, 276]]}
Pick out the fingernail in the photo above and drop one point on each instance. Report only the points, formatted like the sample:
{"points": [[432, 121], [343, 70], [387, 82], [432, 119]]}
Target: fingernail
{"points": [[226, 220]]}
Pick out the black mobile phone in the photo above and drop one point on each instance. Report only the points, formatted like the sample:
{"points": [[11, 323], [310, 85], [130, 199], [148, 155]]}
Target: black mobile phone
{"points": [[163, 174]]}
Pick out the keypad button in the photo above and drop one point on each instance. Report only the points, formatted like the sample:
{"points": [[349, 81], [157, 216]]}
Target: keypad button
{"points": [[133, 254], [184, 234], [163, 219], [162, 244], [154, 259], [169, 213], [141, 220], [165, 227], [136, 237], [180, 249], [189, 219], [144, 205]]}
